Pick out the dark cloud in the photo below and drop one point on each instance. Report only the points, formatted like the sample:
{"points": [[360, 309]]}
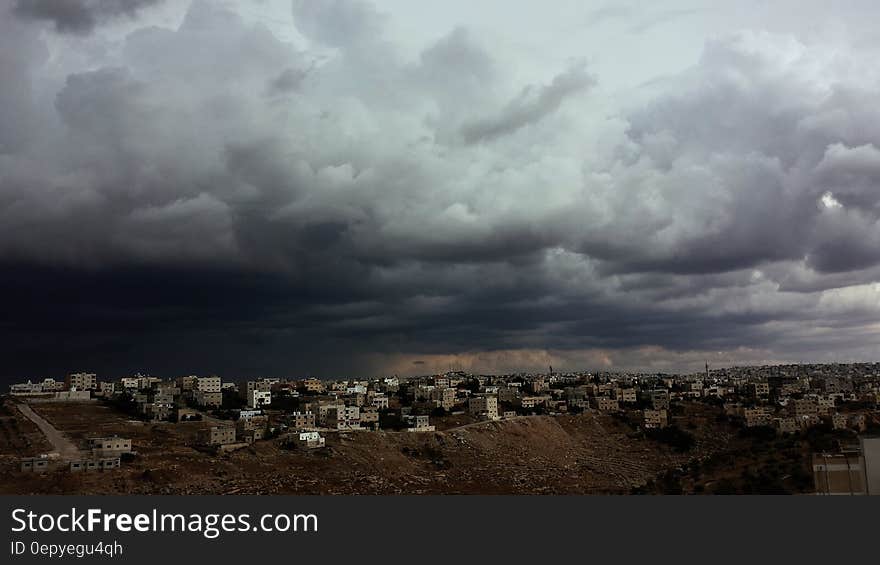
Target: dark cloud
{"points": [[211, 198], [288, 81], [532, 105], [79, 16]]}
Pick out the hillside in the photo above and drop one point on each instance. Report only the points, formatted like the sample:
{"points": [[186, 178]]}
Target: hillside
{"points": [[590, 453]]}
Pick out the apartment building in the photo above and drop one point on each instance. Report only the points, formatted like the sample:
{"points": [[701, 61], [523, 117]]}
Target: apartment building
{"points": [[528, 402], [825, 405], [187, 383], [302, 420], [217, 435], [258, 398], [81, 381], [369, 416], [322, 408], [786, 425], [207, 384], [421, 393], [627, 395], [341, 417], [130, 383], [257, 393], [51, 385], [252, 429], [313, 385], [508, 393], [483, 407], [443, 397], [606, 404], [758, 416], [804, 407], [355, 398], [538, 385], [808, 421], [418, 424], [655, 419], [659, 399], [208, 399], [146, 383]]}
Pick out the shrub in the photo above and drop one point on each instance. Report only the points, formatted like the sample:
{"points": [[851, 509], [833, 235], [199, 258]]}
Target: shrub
{"points": [[673, 436]]}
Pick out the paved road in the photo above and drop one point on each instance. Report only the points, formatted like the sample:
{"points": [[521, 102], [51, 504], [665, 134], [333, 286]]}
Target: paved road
{"points": [[66, 449]]}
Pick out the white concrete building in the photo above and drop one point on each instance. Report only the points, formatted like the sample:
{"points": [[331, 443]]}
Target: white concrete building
{"points": [[258, 398], [207, 384], [81, 381], [484, 407]]}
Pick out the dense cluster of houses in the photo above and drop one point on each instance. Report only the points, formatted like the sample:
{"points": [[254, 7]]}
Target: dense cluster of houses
{"points": [[790, 399]]}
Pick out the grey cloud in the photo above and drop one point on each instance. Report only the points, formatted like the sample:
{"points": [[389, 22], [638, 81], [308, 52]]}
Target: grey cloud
{"points": [[79, 16], [20, 53], [851, 175], [762, 154], [532, 105], [845, 240], [339, 23], [98, 103], [455, 66], [287, 81], [202, 198], [458, 57]]}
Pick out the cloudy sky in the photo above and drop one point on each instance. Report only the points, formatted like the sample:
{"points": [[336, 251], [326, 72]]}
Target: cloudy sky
{"points": [[348, 187]]}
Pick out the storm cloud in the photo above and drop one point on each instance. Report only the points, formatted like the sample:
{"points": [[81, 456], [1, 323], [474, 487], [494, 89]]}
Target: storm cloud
{"points": [[530, 106], [78, 16], [216, 196]]}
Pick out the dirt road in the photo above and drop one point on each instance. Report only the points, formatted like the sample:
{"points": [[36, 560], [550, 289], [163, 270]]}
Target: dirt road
{"points": [[60, 443]]}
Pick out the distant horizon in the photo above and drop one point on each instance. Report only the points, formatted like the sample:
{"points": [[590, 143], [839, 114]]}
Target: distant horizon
{"points": [[556, 370]]}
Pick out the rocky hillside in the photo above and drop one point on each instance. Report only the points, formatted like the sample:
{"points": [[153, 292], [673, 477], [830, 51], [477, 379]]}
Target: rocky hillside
{"points": [[589, 453]]}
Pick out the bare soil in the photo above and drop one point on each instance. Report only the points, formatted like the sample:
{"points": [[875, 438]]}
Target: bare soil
{"points": [[574, 454]]}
